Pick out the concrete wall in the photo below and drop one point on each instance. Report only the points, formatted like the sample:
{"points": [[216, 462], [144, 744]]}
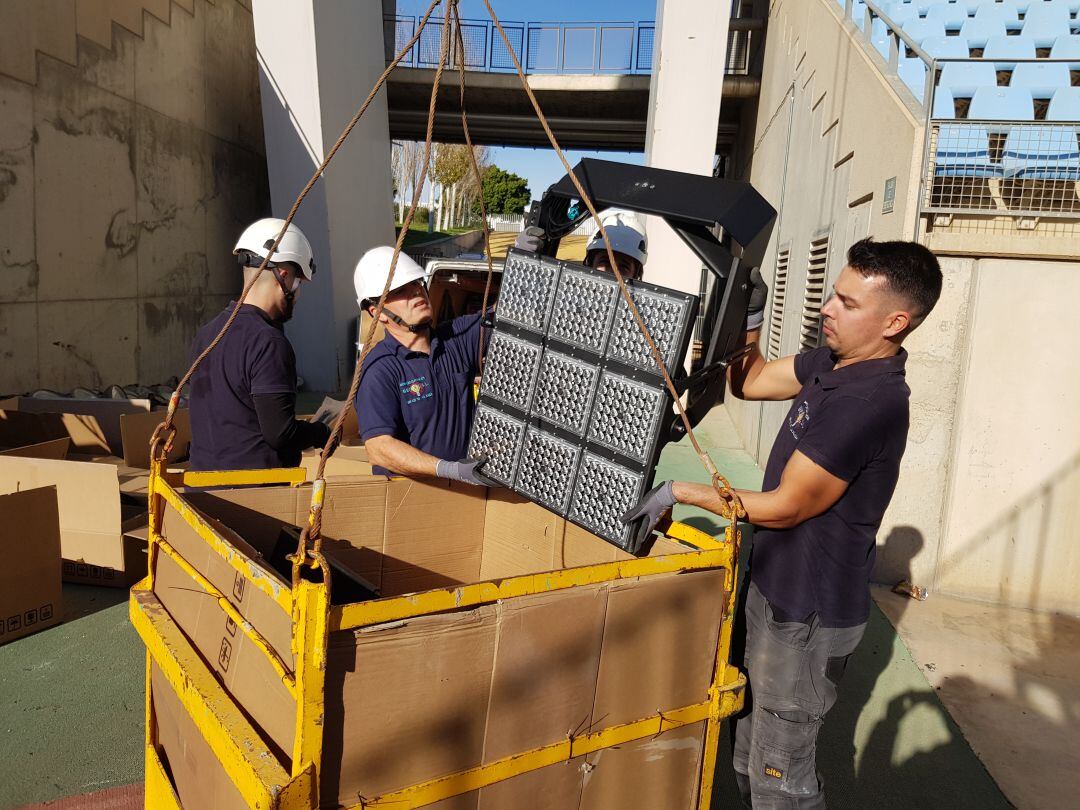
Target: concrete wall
{"points": [[1013, 512], [131, 156]]}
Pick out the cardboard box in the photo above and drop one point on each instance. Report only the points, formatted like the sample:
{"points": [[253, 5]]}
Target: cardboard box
{"points": [[101, 498], [412, 700], [93, 424], [31, 598], [137, 428], [347, 460]]}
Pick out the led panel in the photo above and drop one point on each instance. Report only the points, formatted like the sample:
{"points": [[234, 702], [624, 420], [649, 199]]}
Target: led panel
{"points": [[603, 492], [665, 315], [509, 370], [546, 470], [584, 306], [626, 416], [572, 408], [497, 436], [527, 290], [564, 391]]}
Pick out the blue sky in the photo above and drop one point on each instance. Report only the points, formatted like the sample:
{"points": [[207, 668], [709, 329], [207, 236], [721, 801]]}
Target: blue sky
{"points": [[541, 167]]}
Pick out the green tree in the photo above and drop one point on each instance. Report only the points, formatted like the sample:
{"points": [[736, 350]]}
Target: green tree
{"points": [[504, 192]]}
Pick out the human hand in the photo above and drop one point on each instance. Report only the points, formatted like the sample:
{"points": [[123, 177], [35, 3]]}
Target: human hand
{"points": [[648, 512], [530, 239], [759, 294], [467, 470]]}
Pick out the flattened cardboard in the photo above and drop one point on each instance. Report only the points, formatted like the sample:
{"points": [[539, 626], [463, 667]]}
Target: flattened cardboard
{"points": [[345, 461], [406, 702], [90, 516], [556, 787], [31, 598], [56, 449], [655, 772], [545, 669], [90, 422], [137, 428], [520, 537], [659, 644], [242, 668], [198, 777], [434, 534]]}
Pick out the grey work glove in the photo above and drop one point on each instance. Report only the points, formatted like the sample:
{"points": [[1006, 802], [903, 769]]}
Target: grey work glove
{"points": [[328, 411], [648, 512], [530, 239], [467, 471], [759, 294]]}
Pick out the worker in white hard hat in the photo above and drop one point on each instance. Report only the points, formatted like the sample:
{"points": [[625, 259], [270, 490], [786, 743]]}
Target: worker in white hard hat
{"points": [[243, 395], [415, 402], [625, 231]]}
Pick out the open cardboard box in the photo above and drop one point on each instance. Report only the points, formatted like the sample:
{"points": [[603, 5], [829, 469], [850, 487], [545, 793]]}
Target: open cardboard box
{"points": [[31, 597], [101, 498], [412, 700]]}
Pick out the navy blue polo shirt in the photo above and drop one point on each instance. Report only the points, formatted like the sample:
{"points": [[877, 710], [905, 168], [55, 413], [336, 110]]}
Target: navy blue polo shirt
{"points": [[853, 422], [254, 357], [425, 400]]}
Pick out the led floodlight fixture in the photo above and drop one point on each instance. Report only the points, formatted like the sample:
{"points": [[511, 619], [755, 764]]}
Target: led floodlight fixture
{"points": [[573, 410]]}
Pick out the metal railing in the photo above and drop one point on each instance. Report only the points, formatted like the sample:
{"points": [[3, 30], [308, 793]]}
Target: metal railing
{"points": [[590, 48], [1024, 169]]}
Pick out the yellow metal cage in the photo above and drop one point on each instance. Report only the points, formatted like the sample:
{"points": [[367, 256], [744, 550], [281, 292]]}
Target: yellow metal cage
{"points": [[260, 777]]}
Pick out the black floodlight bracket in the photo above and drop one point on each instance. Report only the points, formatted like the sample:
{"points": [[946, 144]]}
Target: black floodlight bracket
{"points": [[694, 206]]}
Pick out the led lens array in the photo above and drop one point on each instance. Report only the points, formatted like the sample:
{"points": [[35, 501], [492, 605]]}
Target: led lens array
{"points": [[564, 391], [509, 370], [498, 437], [526, 292], [602, 495], [663, 315], [625, 416], [584, 305], [546, 469]]}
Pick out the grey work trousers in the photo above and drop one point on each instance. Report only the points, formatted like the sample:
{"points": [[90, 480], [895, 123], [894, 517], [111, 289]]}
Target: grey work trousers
{"points": [[794, 669]]}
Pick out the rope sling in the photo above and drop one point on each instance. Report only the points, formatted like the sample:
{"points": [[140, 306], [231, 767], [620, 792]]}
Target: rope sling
{"points": [[309, 547]]}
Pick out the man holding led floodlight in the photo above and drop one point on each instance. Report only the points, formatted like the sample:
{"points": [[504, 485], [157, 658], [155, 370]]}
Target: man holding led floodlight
{"points": [[830, 476]]}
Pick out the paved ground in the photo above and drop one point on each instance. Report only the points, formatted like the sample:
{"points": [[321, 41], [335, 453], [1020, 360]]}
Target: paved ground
{"points": [[73, 700]]}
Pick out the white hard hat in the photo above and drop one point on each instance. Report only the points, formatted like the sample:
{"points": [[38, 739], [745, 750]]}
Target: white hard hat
{"points": [[294, 246], [626, 233], [371, 271]]}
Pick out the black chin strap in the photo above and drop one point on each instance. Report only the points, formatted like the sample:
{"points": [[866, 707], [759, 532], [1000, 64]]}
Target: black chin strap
{"points": [[289, 294], [412, 327]]}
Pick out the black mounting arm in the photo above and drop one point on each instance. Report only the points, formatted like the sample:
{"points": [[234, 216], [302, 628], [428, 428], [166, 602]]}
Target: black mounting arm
{"points": [[693, 205]]}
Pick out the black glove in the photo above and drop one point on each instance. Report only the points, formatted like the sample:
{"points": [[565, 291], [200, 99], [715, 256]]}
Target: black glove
{"points": [[649, 511], [467, 471], [530, 239], [759, 294]]}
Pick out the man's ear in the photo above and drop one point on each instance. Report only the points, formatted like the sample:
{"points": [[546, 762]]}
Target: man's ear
{"points": [[897, 324]]}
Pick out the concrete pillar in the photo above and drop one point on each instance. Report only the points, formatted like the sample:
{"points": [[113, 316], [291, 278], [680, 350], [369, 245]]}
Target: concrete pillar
{"points": [[684, 112], [317, 63]]}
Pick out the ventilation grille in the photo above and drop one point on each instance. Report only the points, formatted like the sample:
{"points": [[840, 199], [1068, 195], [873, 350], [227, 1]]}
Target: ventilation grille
{"points": [[779, 294], [816, 269]]}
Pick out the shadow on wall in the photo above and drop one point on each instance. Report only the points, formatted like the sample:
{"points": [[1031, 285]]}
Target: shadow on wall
{"points": [[1031, 534], [888, 742]]}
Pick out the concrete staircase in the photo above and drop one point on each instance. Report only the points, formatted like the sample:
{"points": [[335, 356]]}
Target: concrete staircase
{"points": [[53, 27]]}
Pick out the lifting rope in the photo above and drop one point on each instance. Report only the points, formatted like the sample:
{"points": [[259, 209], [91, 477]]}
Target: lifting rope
{"points": [[309, 547]]}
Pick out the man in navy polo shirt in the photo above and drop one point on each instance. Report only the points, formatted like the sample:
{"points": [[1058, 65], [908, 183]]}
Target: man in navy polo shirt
{"points": [[415, 402], [829, 478], [243, 396]]}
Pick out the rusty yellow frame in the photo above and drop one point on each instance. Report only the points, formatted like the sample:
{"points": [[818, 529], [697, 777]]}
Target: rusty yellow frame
{"points": [[258, 775]]}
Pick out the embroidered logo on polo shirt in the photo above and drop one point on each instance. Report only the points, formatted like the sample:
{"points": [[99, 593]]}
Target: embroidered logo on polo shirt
{"points": [[415, 390], [798, 421]]}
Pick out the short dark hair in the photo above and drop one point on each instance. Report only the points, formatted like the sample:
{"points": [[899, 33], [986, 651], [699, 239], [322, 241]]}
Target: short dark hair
{"points": [[909, 269]]}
